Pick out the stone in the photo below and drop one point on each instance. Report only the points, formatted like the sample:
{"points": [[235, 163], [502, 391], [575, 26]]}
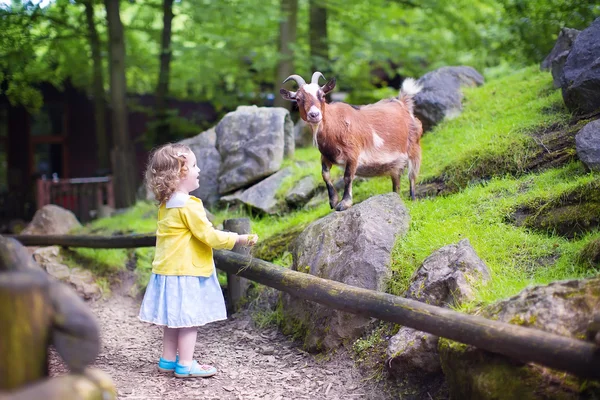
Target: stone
{"points": [[51, 220], [587, 144], [564, 308], [252, 142], [555, 61], [445, 279], [580, 81], [302, 192], [209, 161], [440, 96], [353, 247]]}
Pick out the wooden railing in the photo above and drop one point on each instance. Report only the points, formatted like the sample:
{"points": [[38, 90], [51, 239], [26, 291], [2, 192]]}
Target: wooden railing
{"points": [[580, 357], [82, 196]]}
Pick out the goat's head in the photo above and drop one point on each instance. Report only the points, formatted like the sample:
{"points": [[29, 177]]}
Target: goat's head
{"points": [[310, 97]]}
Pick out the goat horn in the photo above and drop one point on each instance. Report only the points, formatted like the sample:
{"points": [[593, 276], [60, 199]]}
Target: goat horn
{"points": [[299, 80], [316, 76]]}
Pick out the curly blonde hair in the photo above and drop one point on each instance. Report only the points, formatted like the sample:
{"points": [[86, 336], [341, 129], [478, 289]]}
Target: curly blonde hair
{"points": [[166, 166]]}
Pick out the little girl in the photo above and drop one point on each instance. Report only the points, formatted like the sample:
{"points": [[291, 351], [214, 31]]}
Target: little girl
{"points": [[183, 292]]}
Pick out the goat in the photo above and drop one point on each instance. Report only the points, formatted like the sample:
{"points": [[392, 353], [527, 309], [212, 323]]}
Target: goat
{"points": [[370, 140]]}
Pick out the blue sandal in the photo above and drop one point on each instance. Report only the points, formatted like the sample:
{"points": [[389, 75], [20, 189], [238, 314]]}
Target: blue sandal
{"points": [[166, 365], [194, 371]]}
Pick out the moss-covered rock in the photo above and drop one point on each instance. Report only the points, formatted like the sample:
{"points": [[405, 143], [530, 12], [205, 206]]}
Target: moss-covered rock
{"points": [[563, 308], [589, 256], [275, 246], [569, 214]]}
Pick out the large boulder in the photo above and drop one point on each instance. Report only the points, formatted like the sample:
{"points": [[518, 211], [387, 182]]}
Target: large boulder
{"points": [[555, 61], [587, 143], [441, 96], [445, 279], [252, 142], [563, 308], [353, 247], [581, 74], [208, 160], [51, 220]]}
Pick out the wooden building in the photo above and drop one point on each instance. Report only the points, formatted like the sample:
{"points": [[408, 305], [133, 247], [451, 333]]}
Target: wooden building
{"points": [[61, 139]]}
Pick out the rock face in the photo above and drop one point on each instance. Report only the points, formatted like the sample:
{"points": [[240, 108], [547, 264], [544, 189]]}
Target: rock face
{"points": [[564, 308], [441, 96], [353, 247], [51, 220], [80, 279], [302, 192], [261, 196], [252, 142], [581, 78], [208, 160], [587, 143], [445, 279], [555, 61]]}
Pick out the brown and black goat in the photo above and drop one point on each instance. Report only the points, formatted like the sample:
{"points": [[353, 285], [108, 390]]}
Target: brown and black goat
{"points": [[371, 140]]}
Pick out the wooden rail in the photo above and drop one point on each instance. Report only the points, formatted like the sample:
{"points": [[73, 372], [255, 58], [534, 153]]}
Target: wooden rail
{"points": [[579, 357]]}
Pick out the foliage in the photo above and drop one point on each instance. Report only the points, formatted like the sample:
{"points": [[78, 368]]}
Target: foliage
{"points": [[226, 52]]}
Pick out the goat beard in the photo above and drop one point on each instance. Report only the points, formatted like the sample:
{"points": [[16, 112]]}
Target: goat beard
{"points": [[316, 128]]}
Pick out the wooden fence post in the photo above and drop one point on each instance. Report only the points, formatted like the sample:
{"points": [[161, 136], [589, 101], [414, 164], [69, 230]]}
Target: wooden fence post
{"points": [[236, 285], [25, 317]]}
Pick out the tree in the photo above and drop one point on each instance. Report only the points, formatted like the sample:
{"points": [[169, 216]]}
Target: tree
{"points": [[122, 154], [319, 44], [97, 88], [287, 38], [163, 134]]}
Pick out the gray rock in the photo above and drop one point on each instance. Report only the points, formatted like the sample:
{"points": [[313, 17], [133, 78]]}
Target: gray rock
{"points": [[587, 143], [208, 160], [563, 308], [51, 220], [302, 192], [261, 196], [303, 134], [580, 81], [252, 142], [445, 279], [441, 96], [47, 254], [57, 271], [353, 247], [555, 61]]}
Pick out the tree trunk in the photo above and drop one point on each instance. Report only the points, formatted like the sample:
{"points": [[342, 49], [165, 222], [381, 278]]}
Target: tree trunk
{"points": [[25, 317], [98, 90], [163, 134], [122, 154], [287, 37], [319, 45]]}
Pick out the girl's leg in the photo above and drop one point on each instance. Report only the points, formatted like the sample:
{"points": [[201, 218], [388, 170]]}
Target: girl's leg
{"points": [[186, 344], [170, 339]]}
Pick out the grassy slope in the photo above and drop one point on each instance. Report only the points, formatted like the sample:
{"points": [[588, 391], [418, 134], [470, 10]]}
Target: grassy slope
{"points": [[490, 138]]}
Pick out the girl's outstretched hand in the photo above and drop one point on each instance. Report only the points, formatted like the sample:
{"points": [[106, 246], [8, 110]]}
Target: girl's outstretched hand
{"points": [[248, 240]]}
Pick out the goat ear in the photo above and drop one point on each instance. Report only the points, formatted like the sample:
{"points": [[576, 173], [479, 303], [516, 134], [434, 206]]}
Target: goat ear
{"points": [[328, 87], [287, 95]]}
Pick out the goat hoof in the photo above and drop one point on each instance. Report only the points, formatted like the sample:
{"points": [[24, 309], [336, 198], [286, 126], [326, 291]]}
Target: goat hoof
{"points": [[343, 206]]}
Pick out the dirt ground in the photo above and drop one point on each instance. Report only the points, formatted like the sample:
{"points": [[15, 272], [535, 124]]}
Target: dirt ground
{"points": [[252, 363]]}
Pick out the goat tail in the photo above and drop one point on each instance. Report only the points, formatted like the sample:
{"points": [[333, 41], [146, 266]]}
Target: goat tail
{"points": [[410, 87]]}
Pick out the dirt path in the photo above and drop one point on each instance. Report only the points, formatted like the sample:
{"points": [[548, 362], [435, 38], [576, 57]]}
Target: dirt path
{"points": [[252, 363]]}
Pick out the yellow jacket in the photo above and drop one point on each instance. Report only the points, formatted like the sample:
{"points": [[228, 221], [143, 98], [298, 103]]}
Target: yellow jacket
{"points": [[185, 238]]}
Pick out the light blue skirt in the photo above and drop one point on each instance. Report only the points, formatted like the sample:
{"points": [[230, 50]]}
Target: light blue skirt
{"points": [[183, 301]]}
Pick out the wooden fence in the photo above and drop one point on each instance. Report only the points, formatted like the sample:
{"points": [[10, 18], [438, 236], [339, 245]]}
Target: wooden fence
{"points": [[80, 195], [579, 357]]}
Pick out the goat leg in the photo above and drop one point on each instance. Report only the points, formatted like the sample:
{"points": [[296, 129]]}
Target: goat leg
{"points": [[395, 175], [325, 168], [349, 174]]}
